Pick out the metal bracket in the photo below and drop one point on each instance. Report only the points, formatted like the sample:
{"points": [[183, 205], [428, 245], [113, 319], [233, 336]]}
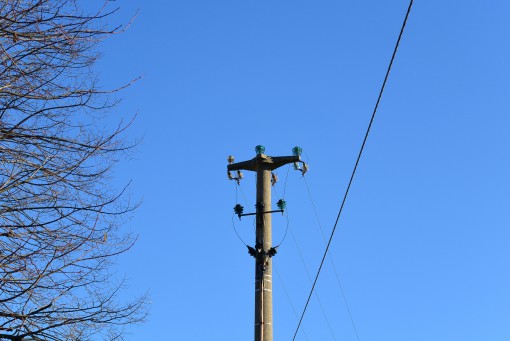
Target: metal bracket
{"points": [[275, 211], [259, 253]]}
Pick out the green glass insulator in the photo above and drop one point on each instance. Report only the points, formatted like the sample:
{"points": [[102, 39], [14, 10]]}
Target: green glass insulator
{"points": [[282, 204], [296, 151], [238, 209], [260, 149]]}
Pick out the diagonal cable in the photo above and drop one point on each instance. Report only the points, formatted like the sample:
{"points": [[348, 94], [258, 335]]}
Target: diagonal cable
{"points": [[331, 260], [288, 296], [356, 164], [310, 279]]}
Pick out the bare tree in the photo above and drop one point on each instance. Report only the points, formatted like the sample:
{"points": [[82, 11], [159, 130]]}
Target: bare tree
{"points": [[59, 216]]}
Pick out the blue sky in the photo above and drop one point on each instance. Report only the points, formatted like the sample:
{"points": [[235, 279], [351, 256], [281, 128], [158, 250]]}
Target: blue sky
{"points": [[422, 246]]}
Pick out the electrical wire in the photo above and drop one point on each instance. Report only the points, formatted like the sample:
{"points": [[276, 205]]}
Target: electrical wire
{"points": [[310, 279], [233, 215], [331, 260], [238, 185], [242, 192], [286, 231], [235, 230], [286, 213], [356, 164], [288, 296], [286, 178]]}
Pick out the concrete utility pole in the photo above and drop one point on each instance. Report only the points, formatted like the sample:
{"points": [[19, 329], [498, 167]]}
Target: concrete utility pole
{"points": [[263, 250]]}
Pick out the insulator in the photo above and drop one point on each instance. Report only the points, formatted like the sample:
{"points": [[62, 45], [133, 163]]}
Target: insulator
{"points": [[229, 175], [240, 174], [305, 168], [296, 166], [272, 251], [230, 159], [260, 149], [238, 209], [282, 204], [296, 151]]}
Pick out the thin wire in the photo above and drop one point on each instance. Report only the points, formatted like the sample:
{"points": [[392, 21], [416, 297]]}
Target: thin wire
{"points": [[233, 215], [276, 189], [242, 193], [285, 184], [286, 231], [246, 203], [287, 216], [288, 296], [308, 160], [331, 260], [235, 230], [310, 279], [356, 164]]}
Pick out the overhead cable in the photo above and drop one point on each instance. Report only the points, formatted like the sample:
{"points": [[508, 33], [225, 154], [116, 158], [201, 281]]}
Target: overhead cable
{"points": [[355, 165]]}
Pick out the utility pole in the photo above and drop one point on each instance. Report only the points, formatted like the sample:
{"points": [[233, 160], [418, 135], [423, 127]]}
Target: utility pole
{"points": [[263, 251]]}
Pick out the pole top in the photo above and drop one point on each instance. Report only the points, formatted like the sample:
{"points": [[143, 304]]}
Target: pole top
{"points": [[263, 161]]}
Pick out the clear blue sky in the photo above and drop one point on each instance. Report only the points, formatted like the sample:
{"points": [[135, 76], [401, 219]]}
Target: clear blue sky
{"points": [[422, 247]]}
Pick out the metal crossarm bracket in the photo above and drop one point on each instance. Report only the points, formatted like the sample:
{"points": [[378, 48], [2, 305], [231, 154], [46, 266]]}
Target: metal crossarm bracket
{"points": [[274, 211], [257, 252]]}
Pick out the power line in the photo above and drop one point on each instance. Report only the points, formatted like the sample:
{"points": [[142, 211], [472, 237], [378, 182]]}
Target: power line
{"points": [[288, 296], [310, 279], [331, 260], [356, 164], [286, 213], [301, 254]]}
